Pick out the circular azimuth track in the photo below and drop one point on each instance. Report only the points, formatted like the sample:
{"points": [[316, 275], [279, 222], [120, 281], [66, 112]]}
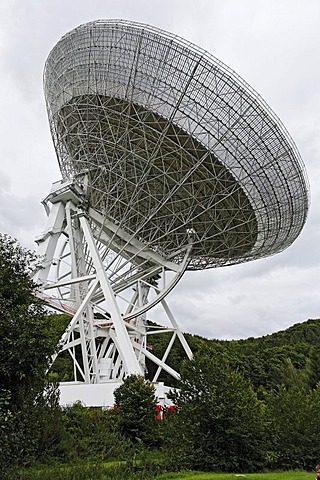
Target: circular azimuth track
{"points": [[171, 141]]}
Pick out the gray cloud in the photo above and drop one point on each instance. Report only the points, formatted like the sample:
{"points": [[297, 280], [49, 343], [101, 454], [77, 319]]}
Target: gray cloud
{"points": [[21, 218]]}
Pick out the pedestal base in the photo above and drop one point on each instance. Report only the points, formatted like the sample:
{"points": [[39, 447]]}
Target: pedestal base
{"points": [[101, 394]]}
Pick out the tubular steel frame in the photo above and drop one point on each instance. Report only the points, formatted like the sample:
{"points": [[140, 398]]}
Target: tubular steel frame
{"points": [[170, 161], [107, 281]]}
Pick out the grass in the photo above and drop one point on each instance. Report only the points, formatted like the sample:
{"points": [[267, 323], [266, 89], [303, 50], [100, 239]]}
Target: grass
{"points": [[292, 475], [118, 471], [82, 471]]}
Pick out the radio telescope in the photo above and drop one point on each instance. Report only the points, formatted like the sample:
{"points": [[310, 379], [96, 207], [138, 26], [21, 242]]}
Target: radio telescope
{"points": [[169, 162]]}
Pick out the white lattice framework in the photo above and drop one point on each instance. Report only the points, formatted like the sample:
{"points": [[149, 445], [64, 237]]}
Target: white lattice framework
{"points": [[170, 162]]}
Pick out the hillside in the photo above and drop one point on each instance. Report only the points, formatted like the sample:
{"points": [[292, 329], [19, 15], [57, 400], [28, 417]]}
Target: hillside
{"points": [[267, 361]]}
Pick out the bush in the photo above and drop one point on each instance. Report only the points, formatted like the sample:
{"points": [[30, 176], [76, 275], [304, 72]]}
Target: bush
{"points": [[91, 433]]}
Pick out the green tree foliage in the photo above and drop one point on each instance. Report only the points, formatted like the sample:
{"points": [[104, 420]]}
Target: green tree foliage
{"points": [[219, 423], [263, 360], [135, 401], [293, 413], [24, 346], [24, 351], [91, 433]]}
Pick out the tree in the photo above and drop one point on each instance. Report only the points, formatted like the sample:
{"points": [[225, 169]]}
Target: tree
{"points": [[135, 401], [294, 418], [24, 353], [219, 423]]}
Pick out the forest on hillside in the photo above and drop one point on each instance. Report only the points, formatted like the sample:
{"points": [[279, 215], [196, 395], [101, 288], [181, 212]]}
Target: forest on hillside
{"points": [[268, 362]]}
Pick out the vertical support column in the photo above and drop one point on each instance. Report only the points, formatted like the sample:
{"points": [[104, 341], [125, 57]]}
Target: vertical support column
{"points": [[142, 291], [92, 350], [78, 292], [73, 252], [47, 243]]}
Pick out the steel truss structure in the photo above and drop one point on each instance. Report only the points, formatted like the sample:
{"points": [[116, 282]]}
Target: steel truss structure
{"points": [[95, 269], [169, 162]]}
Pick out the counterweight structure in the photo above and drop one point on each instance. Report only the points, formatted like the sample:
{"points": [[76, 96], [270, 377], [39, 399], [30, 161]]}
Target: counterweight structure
{"points": [[170, 162]]}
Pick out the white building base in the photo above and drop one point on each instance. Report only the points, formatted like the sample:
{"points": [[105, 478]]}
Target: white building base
{"points": [[101, 394]]}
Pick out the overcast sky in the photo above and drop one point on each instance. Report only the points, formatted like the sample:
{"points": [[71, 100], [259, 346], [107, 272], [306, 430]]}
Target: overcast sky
{"points": [[273, 44]]}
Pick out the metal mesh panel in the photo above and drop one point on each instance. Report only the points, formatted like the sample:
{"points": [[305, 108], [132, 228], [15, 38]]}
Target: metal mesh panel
{"points": [[174, 143]]}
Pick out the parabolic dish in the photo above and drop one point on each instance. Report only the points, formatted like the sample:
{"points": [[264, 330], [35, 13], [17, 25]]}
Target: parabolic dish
{"points": [[174, 144]]}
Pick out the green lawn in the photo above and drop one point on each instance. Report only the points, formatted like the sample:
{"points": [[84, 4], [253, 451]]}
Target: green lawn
{"points": [[106, 472], [293, 475]]}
